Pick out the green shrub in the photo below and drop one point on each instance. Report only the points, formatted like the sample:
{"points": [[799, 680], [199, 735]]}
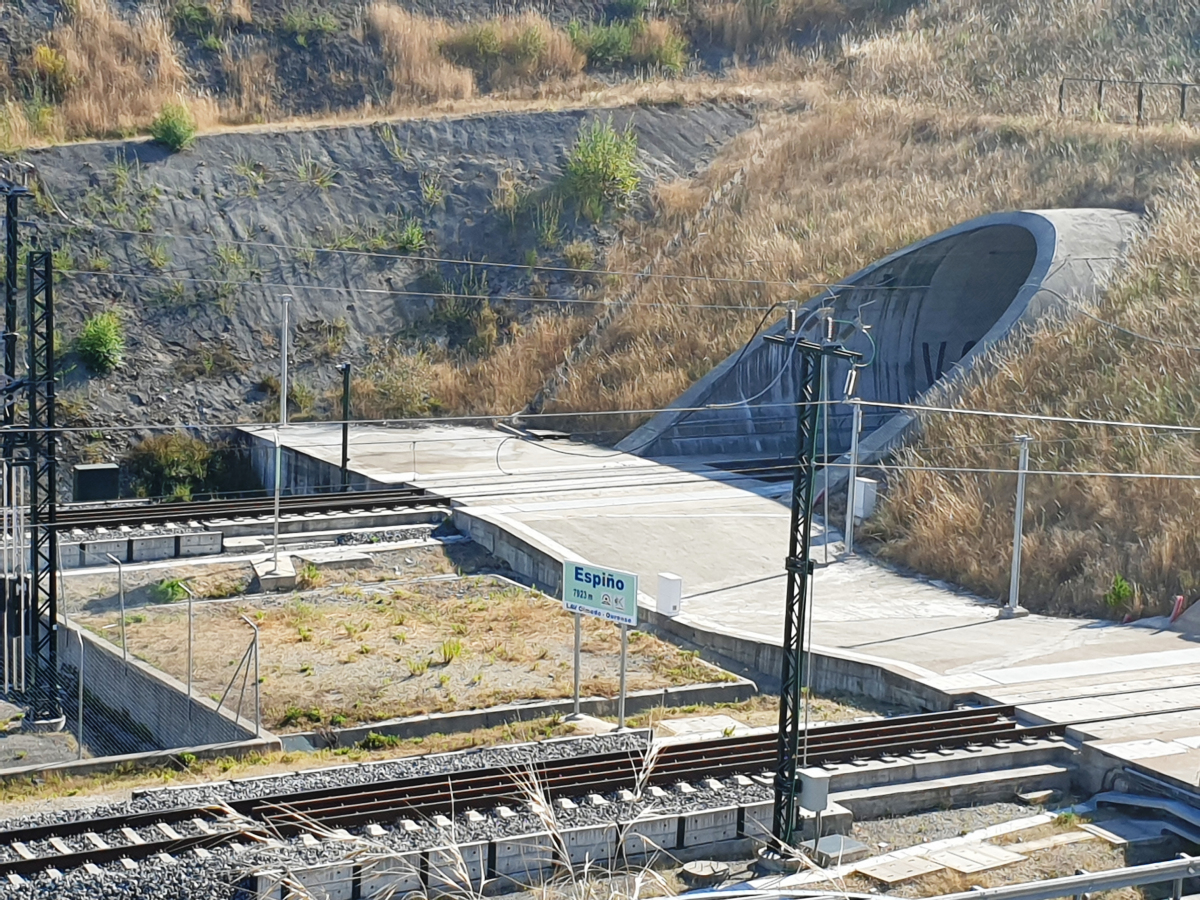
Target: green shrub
{"points": [[409, 237], [174, 126], [101, 343], [194, 18], [606, 44], [396, 385], [302, 23], [51, 72], [579, 255], [376, 741], [601, 168], [169, 590], [1119, 594], [660, 46], [451, 650], [163, 461]]}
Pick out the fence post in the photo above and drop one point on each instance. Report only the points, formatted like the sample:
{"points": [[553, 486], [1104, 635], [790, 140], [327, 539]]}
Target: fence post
{"points": [[1062, 97], [1183, 101], [1141, 102], [1100, 95]]}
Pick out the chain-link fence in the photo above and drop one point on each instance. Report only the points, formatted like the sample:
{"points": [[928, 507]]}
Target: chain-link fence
{"points": [[129, 679]]}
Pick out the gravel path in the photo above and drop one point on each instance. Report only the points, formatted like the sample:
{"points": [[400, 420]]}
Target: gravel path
{"points": [[906, 831]]}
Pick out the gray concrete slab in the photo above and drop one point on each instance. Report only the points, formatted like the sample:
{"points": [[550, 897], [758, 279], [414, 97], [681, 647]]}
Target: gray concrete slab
{"points": [[726, 536]]}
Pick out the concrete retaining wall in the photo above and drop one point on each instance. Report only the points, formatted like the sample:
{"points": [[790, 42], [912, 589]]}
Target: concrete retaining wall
{"points": [[526, 860], [302, 474], [831, 674], [472, 719], [153, 700], [528, 553], [540, 560]]}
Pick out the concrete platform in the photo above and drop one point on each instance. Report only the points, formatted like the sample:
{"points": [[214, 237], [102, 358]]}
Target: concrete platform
{"points": [[902, 639]]}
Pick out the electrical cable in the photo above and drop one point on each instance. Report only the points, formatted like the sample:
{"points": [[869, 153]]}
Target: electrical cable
{"points": [[389, 292], [435, 259]]}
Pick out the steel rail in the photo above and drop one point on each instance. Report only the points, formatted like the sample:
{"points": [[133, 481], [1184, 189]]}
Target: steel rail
{"points": [[210, 510], [488, 787]]}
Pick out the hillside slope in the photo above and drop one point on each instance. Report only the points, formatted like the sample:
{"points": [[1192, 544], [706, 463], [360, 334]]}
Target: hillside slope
{"points": [[197, 248], [873, 123]]}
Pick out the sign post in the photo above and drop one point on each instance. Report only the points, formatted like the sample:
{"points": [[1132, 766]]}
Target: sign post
{"points": [[603, 594]]}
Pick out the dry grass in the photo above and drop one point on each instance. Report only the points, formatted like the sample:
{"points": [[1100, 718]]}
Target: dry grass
{"points": [[251, 84], [1079, 532], [361, 654], [814, 208], [30, 794], [1009, 54], [510, 50], [121, 72], [418, 71], [504, 381], [765, 27]]}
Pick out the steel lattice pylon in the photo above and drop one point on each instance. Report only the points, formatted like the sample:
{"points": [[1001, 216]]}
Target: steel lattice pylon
{"points": [[799, 567], [40, 447]]}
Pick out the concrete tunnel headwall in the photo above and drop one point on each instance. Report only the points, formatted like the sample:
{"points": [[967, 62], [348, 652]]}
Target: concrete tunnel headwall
{"points": [[933, 309]]}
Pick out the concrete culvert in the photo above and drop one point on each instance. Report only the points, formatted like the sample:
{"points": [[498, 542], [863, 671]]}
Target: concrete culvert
{"points": [[932, 309]]}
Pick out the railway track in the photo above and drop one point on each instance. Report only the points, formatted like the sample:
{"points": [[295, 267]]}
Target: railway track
{"points": [[251, 507], [96, 841]]}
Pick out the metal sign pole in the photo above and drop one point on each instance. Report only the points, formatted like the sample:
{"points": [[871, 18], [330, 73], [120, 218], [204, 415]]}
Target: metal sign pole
{"points": [[851, 483], [624, 660], [578, 653], [283, 399], [191, 637], [824, 401]]}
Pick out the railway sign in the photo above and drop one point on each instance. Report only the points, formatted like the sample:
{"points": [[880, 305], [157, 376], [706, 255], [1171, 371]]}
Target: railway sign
{"points": [[602, 593]]}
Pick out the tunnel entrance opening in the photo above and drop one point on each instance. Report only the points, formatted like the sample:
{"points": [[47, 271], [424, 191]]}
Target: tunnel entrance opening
{"points": [[926, 311]]}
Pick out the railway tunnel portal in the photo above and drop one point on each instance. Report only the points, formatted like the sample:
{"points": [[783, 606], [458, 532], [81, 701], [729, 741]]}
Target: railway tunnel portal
{"points": [[921, 317]]}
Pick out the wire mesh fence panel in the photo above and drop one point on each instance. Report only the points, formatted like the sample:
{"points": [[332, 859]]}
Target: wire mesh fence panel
{"points": [[125, 641]]}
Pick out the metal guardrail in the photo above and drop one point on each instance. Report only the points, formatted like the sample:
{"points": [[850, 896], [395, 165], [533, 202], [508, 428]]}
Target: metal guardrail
{"points": [[1101, 83]]}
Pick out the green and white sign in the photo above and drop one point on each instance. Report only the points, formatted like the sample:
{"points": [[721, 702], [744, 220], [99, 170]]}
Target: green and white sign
{"points": [[603, 593]]}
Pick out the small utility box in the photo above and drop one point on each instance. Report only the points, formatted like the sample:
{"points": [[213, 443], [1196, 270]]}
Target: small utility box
{"points": [[670, 593], [814, 789], [96, 482], [865, 490]]}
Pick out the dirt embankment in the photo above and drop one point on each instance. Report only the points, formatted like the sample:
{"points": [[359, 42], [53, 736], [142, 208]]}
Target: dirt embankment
{"points": [[195, 248]]}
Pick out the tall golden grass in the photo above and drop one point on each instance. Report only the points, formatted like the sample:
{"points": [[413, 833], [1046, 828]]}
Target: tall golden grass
{"points": [[121, 71], [510, 50], [418, 71], [764, 27], [1080, 532], [1008, 55], [251, 83], [825, 193]]}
